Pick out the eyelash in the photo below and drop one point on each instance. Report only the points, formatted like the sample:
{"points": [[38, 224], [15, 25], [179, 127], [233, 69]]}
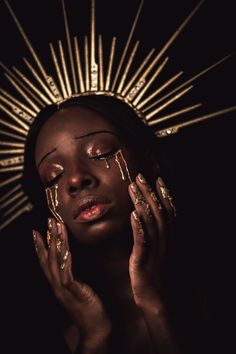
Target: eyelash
{"points": [[104, 156]]}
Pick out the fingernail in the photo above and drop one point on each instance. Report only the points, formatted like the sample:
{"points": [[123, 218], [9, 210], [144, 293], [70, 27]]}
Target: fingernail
{"points": [[135, 215], [134, 187], [34, 235], [142, 179], [49, 237], [49, 224], [59, 230], [161, 182]]}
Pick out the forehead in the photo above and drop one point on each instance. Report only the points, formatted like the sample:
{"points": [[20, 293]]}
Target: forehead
{"points": [[67, 122]]}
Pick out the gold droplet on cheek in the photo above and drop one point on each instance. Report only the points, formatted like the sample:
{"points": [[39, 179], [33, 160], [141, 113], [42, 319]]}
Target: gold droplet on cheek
{"points": [[53, 202], [107, 164]]}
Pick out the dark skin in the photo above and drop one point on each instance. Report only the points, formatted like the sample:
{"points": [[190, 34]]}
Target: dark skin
{"points": [[113, 295]]}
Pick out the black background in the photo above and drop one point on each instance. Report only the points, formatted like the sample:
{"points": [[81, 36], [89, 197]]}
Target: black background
{"points": [[202, 157]]}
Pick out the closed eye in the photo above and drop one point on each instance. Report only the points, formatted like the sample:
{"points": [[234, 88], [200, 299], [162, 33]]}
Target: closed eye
{"points": [[106, 155], [54, 180]]}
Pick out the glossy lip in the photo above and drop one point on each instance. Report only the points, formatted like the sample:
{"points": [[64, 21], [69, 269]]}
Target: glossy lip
{"points": [[87, 203]]}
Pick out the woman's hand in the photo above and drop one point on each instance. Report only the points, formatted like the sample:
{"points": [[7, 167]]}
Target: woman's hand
{"points": [[79, 300], [150, 222]]}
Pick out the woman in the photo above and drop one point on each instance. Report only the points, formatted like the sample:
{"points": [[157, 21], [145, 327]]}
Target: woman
{"points": [[107, 231]]}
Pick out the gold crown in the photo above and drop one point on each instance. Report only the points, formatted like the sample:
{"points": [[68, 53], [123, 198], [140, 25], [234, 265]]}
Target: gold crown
{"points": [[39, 89]]}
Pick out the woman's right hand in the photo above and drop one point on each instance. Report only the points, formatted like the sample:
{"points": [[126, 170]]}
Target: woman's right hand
{"points": [[79, 300]]}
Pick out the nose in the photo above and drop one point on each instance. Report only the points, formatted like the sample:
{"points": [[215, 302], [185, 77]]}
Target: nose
{"points": [[79, 181]]}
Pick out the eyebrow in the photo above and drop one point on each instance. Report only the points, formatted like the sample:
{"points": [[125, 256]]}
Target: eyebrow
{"points": [[76, 138]]}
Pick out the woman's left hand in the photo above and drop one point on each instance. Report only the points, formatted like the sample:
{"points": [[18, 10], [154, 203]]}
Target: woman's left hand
{"points": [[151, 221]]}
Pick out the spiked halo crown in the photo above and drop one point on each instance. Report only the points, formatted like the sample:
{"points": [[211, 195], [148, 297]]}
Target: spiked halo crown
{"points": [[39, 89]]}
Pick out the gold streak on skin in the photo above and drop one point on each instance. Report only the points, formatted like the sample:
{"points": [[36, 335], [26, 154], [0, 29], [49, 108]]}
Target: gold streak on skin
{"points": [[53, 202], [119, 153]]}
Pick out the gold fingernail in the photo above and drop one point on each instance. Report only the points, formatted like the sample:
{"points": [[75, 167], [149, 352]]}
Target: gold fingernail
{"points": [[49, 237], [142, 179], [59, 228], [66, 256], [62, 266], [49, 224], [135, 215], [59, 244], [134, 187], [161, 182], [34, 236]]}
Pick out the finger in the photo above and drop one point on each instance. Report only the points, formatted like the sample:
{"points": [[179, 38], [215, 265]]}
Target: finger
{"points": [[166, 198], [42, 253], [52, 253], [144, 212], [64, 255], [139, 247], [153, 201]]}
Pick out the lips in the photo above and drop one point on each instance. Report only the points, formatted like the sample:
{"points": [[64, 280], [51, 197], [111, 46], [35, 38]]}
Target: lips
{"points": [[91, 208]]}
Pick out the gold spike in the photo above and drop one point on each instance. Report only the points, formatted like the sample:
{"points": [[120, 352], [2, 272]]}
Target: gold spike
{"points": [[65, 71], [112, 53], [101, 69], [94, 66], [179, 30], [10, 114], [175, 128], [11, 200], [16, 79], [166, 104], [26, 39], [16, 151], [10, 180], [38, 78], [127, 45], [142, 81], [23, 94], [11, 169], [132, 55], [79, 68], [32, 86], [13, 127], [25, 208], [148, 84], [57, 67], [159, 90], [86, 53], [175, 114], [8, 194], [12, 161], [11, 135], [201, 73], [15, 206], [17, 110], [7, 143], [68, 38], [19, 103]]}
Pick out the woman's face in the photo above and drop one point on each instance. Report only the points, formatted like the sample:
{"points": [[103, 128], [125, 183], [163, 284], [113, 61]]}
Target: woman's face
{"points": [[80, 153]]}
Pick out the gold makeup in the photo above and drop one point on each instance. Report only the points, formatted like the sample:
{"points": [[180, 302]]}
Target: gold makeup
{"points": [[53, 203]]}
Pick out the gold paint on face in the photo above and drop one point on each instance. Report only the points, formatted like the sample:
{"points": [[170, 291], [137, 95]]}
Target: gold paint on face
{"points": [[53, 203]]}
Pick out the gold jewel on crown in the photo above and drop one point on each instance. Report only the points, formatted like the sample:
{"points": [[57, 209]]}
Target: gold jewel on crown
{"points": [[39, 89]]}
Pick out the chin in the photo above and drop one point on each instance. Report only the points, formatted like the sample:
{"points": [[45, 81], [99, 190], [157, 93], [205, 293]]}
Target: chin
{"points": [[100, 231]]}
